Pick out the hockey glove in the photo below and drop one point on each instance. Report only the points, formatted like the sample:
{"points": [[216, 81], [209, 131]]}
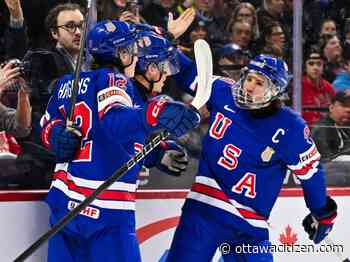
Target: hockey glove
{"points": [[319, 223], [64, 142], [169, 157], [177, 118]]}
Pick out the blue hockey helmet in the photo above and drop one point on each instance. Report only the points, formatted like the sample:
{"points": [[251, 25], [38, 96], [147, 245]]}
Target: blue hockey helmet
{"points": [[157, 50], [274, 70], [108, 37]]}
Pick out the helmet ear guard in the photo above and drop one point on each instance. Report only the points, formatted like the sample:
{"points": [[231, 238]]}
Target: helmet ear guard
{"points": [[274, 70]]}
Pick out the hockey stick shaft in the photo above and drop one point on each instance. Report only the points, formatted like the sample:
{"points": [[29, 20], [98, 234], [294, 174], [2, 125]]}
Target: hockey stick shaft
{"points": [[67, 218], [203, 89], [75, 88], [330, 242]]}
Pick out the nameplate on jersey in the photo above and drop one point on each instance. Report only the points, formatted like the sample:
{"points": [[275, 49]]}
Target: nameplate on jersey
{"points": [[267, 154], [89, 211], [112, 95]]}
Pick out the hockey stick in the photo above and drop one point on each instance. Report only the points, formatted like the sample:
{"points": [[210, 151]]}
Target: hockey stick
{"points": [[202, 95], [330, 242], [75, 88]]}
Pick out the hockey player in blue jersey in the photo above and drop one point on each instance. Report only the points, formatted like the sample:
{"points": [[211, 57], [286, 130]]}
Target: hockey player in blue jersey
{"points": [[112, 129], [251, 142]]}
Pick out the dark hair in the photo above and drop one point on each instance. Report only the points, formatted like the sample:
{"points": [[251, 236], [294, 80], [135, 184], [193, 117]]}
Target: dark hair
{"points": [[313, 49], [342, 97], [267, 30], [326, 20], [324, 40], [51, 18], [109, 10]]}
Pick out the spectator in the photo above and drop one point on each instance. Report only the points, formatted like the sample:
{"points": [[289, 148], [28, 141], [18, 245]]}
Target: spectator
{"points": [[332, 133], [214, 25], [123, 10], [332, 51], [197, 30], [271, 10], [332, 137], [246, 12], [17, 122], [157, 13], [329, 27], [316, 91], [241, 34], [15, 33], [342, 81], [229, 60], [64, 23], [274, 37]]}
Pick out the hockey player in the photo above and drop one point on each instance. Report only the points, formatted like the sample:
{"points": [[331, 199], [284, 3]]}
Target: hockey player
{"points": [[251, 142], [112, 129]]}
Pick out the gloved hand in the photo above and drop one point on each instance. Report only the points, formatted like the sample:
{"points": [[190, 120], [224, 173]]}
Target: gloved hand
{"points": [[65, 142], [174, 160], [319, 223], [169, 157], [176, 117]]}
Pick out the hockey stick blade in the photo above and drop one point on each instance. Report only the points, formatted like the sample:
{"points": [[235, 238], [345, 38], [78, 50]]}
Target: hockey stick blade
{"points": [[202, 96], [204, 63]]}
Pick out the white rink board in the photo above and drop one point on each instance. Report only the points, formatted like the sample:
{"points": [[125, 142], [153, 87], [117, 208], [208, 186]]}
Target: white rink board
{"points": [[23, 221]]}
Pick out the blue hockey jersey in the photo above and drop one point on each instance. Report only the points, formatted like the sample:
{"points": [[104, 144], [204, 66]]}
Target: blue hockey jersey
{"points": [[112, 133], [244, 160]]}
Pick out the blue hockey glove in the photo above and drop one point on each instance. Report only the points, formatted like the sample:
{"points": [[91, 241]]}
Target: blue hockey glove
{"points": [[319, 223], [176, 117], [169, 157], [65, 142]]}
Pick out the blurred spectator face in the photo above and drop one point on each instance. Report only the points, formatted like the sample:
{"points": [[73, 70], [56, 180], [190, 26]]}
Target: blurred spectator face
{"points": [[328, 27], [233, 74], [314, 66], [340, 113], [198, 33], [241, 34], [69, 25], [333, 49], [347, 38], [277, 37], [245, 14], [275, 6], [120, 3], [167, 3], [204, 5]]}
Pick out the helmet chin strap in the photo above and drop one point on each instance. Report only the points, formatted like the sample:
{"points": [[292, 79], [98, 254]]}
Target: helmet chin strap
{"points": [[150, 91]]}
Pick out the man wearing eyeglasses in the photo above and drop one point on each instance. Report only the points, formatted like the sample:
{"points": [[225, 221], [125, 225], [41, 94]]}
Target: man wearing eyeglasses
{"points": [[64, 23]]}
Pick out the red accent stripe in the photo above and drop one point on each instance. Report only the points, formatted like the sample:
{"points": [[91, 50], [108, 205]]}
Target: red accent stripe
{"points": [[105, 195], [305, 169], [36, 195], [209, 191], [328, 221], [249, 214], [218, 194], [146, 232]]}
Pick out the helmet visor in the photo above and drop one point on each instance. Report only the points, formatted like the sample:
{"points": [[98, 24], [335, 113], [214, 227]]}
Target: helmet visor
{"points": [[169, 66]]}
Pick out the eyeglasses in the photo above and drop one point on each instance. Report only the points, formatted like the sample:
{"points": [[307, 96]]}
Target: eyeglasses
{"points": [[244, 15], [277, 33], [71, 27]]}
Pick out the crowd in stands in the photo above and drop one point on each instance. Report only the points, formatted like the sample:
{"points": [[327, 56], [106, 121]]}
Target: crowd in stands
{"points": [[46, 43]]}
